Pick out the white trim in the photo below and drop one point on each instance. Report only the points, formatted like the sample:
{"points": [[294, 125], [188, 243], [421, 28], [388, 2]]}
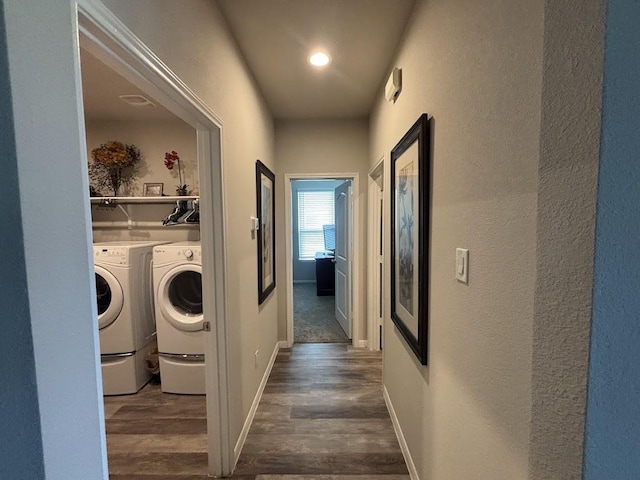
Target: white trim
{"points": [[105, 36], [373, 257], [254, 406], [413, 473], [282, 344], [363, 343], [357, 240]]}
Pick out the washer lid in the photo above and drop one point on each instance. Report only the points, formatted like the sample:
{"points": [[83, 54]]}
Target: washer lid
{"points": [[109, 297], [180, 297]]}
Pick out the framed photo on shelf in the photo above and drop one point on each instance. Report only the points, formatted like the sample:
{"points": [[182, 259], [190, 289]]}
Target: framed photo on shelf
{"points": [[266, 197], [152, 189], [410, 236]]}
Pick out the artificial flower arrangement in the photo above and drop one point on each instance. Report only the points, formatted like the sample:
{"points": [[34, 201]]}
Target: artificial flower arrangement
{"points": [[113, 166], [171, 159]]}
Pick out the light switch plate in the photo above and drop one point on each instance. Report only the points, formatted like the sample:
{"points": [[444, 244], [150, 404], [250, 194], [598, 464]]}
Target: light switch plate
{"points": [[462, 265]]}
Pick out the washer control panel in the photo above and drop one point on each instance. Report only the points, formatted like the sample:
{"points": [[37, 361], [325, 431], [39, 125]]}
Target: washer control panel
{"points": [[162, 254], [112, 255]]}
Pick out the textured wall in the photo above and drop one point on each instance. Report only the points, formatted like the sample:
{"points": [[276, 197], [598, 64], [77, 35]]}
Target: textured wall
{"points": [[569, 144], [476, 67], [20, 440], [54, 213], [613, 415], [320, 146]]}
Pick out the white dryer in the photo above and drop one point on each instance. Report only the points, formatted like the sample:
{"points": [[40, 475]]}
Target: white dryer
{"points": [[177, 281], [124, 295]]}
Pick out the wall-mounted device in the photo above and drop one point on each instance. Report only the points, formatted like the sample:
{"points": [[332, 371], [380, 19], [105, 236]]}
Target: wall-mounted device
{"points": [[394, 85]]}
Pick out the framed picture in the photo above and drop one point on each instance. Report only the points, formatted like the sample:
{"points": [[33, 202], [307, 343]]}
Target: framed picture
{"points": [[266, 197], [410, 236], [152, 189]]}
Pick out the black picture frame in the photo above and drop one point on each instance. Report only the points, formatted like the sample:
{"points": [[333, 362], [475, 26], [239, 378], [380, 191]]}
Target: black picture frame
{"points": [[266, 238], [410, 236]]}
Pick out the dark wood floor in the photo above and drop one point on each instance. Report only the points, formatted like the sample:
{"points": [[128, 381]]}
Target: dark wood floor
{"points": [[322, 416]]}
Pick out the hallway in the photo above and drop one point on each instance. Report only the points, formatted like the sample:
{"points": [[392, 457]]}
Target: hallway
{"points": [[322, 416]]}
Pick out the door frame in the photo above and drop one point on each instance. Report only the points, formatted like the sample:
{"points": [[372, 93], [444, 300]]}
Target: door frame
{"points": [[375, 304], [356, 341], [106, 37]]}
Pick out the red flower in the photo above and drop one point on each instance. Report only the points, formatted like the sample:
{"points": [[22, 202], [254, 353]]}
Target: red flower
{"points": [[170, 159]]}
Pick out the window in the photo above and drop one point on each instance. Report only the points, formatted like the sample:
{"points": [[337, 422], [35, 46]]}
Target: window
{"points": [[315, 209]]}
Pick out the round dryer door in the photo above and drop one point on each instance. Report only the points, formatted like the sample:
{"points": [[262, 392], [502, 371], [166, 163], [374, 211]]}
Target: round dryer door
{"points": [[180, 297], [108, 296]]}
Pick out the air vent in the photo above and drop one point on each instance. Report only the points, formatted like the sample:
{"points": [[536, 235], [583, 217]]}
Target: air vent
{"points": [[137, 100]]}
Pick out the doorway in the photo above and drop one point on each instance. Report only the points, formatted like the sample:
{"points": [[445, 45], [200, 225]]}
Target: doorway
{"points": [[375, 256], [322, 232], [314, 216], [110, 41]]}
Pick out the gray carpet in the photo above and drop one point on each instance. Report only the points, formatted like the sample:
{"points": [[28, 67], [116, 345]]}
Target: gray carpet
{"points": [[314, 317]]}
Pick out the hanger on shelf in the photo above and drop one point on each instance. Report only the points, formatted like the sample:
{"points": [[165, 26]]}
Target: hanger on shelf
{"points": [[185, 212]]}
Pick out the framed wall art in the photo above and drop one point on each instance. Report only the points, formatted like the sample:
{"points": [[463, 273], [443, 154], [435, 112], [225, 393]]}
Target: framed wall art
{"points": [[266, 197], [410, 236]]}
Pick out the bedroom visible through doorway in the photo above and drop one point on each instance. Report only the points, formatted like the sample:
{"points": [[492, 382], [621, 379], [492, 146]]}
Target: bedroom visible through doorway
{"points": [[313, 214]]}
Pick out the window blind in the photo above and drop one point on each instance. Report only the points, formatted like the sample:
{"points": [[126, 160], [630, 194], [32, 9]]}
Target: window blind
{"points": [[315, 209]]}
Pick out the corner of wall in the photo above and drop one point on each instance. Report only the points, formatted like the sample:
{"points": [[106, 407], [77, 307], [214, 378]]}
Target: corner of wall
{"points": [[568, 170]]}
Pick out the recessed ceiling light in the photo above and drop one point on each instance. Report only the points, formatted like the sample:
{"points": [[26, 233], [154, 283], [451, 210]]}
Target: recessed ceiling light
{"points": [[137, 100], [319, 59]]}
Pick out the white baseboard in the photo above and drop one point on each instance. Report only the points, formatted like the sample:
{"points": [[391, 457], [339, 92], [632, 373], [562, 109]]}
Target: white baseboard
{"points": [[254, 406], [362, 344], [413, 473], [283, 344]]}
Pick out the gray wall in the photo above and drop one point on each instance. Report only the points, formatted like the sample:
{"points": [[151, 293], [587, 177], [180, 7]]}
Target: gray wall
{"points": [[20, 436], [476, 67], [514, 91], [320, 146], [47, 161], [304, 270], [567, 178]]}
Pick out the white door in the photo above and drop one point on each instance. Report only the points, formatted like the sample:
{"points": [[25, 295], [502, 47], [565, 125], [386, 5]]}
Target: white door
{"points": [[342, 256]]}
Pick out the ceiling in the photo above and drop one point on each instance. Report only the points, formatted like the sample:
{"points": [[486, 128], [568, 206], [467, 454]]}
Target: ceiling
{"points": [[275, 38], [101, 88]]}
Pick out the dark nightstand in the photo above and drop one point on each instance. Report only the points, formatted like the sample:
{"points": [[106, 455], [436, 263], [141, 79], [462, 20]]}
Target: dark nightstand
{"points": [[325, 274]]}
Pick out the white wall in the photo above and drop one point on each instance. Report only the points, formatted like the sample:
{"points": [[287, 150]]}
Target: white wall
{"points": [[192, 39], [320, 146], [475, 67], [153, 139]]}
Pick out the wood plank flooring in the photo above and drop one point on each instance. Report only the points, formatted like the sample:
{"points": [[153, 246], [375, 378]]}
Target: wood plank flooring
{"points": [[322, 416]]}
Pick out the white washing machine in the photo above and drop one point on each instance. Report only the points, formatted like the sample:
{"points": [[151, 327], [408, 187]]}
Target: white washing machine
{"points": [[124, 292], [177, 282]]}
